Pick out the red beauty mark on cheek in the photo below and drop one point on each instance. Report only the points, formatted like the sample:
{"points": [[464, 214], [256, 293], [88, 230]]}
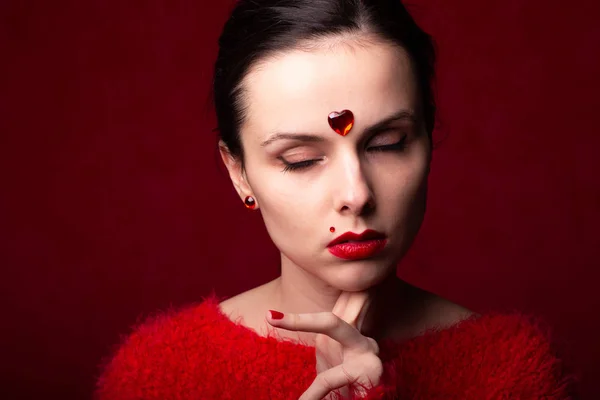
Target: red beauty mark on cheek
{"points": [[341, 122]]}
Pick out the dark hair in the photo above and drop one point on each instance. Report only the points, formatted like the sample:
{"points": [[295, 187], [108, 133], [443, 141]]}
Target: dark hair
{"points": [[258, 29]]}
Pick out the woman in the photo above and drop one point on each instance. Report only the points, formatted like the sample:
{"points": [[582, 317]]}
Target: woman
{"points": [[326, 112]]}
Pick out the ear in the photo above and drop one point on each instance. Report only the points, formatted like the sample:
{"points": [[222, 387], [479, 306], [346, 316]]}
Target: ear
{"points": [[236, 172]]}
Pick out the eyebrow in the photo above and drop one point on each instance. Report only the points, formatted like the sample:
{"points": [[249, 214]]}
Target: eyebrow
{"points": [[305, 137]]}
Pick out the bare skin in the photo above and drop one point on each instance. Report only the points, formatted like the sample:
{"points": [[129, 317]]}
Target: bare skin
{"points": [[346, 339], [412, 312], [306, 178]]}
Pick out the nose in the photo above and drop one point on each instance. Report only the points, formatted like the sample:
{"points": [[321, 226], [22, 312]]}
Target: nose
{"points": [[353, 192]]}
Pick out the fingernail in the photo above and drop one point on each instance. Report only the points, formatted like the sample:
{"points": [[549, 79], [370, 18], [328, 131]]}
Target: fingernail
{"points": [[276, 314]]}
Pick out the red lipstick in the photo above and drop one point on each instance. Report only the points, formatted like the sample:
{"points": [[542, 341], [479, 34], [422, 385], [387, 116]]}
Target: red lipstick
{"points": [[353, 246]]}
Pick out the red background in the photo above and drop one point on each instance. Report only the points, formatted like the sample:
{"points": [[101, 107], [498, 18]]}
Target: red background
{"points": [[114, 204]]}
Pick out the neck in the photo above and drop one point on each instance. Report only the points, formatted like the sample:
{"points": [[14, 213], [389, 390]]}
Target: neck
{"points": [[297, 291]]}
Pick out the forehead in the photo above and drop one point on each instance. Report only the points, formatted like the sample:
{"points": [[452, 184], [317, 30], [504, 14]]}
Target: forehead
{"points": [[296, 90]]}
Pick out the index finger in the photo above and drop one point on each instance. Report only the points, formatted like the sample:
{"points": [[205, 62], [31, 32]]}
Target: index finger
{"points": [[325, 323]]}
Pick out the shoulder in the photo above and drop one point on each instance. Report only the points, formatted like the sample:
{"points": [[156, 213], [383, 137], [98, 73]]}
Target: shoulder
{"points": [[424, 311], [159, 344], [249, 307], [198, 353], [440, 313], [497, 355], [240, 304]]}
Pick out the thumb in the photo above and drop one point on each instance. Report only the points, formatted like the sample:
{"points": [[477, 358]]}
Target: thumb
{"points": [[353, 307]]}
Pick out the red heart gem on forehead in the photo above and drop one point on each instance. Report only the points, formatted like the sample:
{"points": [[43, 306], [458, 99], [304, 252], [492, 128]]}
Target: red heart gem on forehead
{"points": [[341, 122]]}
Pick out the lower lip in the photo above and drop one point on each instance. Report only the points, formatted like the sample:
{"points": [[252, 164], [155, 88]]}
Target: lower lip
{"points": [[358, 250]]}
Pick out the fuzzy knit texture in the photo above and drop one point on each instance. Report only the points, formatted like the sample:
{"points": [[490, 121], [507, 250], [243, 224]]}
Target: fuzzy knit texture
{"points": [[197, 352]]}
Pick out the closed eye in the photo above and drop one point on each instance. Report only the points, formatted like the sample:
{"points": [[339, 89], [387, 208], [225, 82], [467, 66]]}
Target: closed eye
{"points": [[297, 165], [398, 146]]}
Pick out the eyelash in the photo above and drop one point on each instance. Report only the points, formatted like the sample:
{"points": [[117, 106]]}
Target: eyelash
{"points": [[298, 165], [398, 146]]}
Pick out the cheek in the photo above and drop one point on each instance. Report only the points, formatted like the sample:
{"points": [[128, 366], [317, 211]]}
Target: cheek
{"points": [[282, 198], [404, 193], [290, 218], [286, 210]]}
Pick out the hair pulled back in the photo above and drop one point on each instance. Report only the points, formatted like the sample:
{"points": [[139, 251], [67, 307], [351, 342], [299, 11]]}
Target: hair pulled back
{"points": [[258, 29]]}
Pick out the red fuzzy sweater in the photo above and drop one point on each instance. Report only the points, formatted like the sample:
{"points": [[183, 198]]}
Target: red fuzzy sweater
{"points": [[198, 353]]}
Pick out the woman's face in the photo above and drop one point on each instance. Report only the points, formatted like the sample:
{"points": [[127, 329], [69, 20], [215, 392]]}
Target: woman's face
{"points": [[307, 178]]}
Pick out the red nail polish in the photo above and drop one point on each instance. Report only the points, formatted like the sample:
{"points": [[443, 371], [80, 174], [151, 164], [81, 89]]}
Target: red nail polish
{"points": [[276, 314]]}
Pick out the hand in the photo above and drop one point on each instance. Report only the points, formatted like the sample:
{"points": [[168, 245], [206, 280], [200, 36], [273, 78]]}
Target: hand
{"points": [[346, 359]]}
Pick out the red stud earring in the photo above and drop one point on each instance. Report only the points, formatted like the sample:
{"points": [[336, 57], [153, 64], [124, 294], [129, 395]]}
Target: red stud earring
{"points": [[250, 203]]}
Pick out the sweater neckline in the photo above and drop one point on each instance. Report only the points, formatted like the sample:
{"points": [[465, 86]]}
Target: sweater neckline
{"points": [[239, 331]]}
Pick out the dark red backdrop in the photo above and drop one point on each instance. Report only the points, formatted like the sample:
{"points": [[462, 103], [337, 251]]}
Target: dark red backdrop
{"points": [[113, 204]]}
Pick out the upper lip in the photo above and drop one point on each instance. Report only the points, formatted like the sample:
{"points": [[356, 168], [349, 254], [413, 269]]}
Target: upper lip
{"points": [[369, 234]]}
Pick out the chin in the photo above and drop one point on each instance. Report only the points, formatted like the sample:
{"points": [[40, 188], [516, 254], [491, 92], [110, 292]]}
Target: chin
{"points": [[358, 276]]}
